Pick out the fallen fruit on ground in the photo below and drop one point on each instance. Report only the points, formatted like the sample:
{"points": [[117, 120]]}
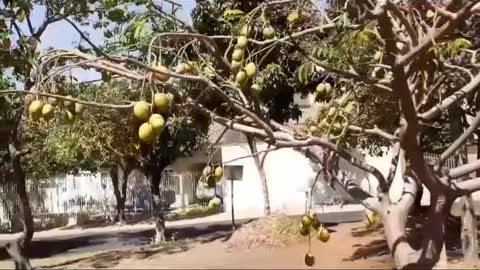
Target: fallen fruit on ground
{"points": [[145, 133], [323, 235], [161, 102], [250, 69], [141, 110], [157, 122], [309, 259]]}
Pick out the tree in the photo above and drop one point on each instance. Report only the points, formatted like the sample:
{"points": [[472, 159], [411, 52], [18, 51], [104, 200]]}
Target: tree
{"points": [[408, 37]]}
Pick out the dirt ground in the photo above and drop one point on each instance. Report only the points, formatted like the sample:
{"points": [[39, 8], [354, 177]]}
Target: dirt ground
{"points": [[211, 249]]}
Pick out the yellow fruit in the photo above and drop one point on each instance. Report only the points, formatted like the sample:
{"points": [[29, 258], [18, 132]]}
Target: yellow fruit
{"points": [[237, 55], [35, 109], [219, 172], [163, 73], [309, 259], [306, 221], [157, 122], [323, 235], [236, 65], [268, 32], [207, 171], [430, 14], [78, 108], [47, 112], [141, 110], [246, 30], [242, 42], [241, 78], [68, 103], [315, 222], [332, 111], [328, 88], [161, 102], [145, 133], [214, 203], [250, 69], [377, 56], [313, 129], [181, 68]]}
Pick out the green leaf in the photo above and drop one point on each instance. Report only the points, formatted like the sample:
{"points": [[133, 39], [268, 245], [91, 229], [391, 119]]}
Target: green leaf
{"points": [[232, 14]]}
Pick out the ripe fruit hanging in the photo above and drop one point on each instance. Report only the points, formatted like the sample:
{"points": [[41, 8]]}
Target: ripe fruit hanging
{"points": [[163, 73], [323, 235], [250, 69], [309, 259], [242, 42], [306, 221], [145, 133], [241, 78], [218, 172], [237, 55], [161, 102], [35, 109], [207, 171], [47, 112], [141, 110], [256, 89], [315, 222], [157, 122], [236, 65], [53, 101], [70, 117], [214, 203], [268, 32], [246, 30], [304, 230]]}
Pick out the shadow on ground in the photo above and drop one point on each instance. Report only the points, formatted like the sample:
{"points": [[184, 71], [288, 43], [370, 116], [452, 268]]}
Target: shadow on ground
{"points": [[137, 243]]}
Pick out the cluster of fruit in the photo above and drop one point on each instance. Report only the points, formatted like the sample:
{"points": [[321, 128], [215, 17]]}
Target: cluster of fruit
{"points": [[211, 175], [154, 121], [46, 110], [309, 224], [247, 71]]}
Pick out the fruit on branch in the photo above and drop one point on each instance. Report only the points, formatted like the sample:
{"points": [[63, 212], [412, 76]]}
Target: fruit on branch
{"points": [[237, 55], [315, 222], [309, 259], [245, 30], [323, 235], [218, 172], [304, 230], [157, 122], [161, 102], [268, 32], [241, 78], [68, 103], [430, 14], [306, 221], [35, 109], [332, 111], [78, 108], [146, 133], [377, 56], [313, 129], [236, 65], [214, 203], [250, 69], [256, 90], [207, 171], [163, 73], [47, 112], [141, 110], [242, 42]]}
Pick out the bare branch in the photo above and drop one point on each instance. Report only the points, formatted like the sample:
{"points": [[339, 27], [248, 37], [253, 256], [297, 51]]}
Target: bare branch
{"points": [[460, 140], [374, 131]]}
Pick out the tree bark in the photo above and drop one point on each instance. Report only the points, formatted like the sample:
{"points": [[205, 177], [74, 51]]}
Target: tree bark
{"points": [[155, 178], [261, 171], [20, 249], [119, 174]]}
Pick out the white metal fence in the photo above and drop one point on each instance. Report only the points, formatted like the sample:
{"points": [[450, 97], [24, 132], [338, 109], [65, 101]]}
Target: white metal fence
{"points": [[92, 194]]}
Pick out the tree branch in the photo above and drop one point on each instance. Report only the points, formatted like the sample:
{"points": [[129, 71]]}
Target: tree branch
{"points": [[374, 131]]}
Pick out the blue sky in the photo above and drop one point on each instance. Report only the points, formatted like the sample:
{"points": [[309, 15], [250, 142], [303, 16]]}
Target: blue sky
{"points": [[61, 35]]}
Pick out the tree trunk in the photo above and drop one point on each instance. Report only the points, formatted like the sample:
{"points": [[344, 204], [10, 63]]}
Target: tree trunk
{"points": [[263, 177], [119, 175], [20, 249], [155, 178]]}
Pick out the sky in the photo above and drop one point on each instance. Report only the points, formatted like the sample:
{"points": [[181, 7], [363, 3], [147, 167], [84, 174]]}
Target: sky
{"points": [[61, 35]]}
